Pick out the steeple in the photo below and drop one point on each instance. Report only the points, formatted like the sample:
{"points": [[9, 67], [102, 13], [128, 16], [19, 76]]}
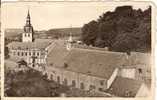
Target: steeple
{"points": [[28, 27], [69, 41], [27, 36], [28, 19]]}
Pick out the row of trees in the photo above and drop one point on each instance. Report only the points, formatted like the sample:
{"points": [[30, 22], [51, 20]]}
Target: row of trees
{"points": [[125, 29]]}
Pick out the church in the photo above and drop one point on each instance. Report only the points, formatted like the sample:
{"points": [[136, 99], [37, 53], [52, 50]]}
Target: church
{"points": [[33, 51]]}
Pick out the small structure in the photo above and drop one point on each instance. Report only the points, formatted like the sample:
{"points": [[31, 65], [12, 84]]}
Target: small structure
{"points": [[125, 87]]}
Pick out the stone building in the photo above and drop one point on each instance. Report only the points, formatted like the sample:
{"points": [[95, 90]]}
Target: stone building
{"points": [[33, 51], [90, 69], [126, 87]]}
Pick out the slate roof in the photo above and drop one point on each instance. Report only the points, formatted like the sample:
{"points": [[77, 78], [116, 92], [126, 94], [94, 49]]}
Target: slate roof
{"points": [[84, 61], [57, 55], [93, 62], [122, 86], [38, 44]]}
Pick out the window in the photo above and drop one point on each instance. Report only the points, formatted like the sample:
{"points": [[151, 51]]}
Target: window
{"points": [[37, 53], [58, 79], [65, 82], [65, 65], [18, 53], [28, 35], [73, 83], [25, 53], [21, 53], [33, 53], [30, 53], [140, 70], [81, 86]]}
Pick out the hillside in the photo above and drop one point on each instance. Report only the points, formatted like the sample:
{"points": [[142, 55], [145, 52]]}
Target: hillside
{"points": [[125, 29], [13, 32], [63, 32], [59, 32]]}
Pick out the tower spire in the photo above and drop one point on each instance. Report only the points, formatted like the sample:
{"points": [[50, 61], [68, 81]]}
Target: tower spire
{"points": [[28, 35], [28, 14], [70, 40]]}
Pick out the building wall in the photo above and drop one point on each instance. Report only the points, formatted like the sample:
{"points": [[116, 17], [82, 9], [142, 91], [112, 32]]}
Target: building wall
{"points": [[27, 55], [82, 81], [27, 37], [128, 73], [138, 72]]}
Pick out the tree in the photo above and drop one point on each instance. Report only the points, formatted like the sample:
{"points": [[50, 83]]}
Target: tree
{"points": [[125, 29]]}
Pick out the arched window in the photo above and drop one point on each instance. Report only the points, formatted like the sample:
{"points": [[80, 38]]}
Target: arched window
{"points": [[18, 53], [25, 53], [58, 79], [51, 77], [140, 70], [82, 86], [30, 53], [33, 53], [21, 53], [37, 53], [73, 83], [65, 82]]}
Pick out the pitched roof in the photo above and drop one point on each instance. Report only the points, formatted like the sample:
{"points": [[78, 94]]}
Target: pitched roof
{"points": [[124, 87], [92, 62], [57, 54], [42, 44]]}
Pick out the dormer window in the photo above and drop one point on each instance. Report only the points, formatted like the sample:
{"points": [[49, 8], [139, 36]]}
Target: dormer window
{"points": [[65, 65]]}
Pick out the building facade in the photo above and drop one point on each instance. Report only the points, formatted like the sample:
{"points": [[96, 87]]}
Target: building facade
{"points": [[33, 51]]}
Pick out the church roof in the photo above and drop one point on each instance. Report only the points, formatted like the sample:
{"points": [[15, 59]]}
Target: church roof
{"points": [[124, 87], [37, 44]]}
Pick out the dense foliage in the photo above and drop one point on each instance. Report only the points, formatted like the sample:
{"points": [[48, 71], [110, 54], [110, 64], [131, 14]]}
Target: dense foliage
{"points": [[125, 29], [30, 84]]}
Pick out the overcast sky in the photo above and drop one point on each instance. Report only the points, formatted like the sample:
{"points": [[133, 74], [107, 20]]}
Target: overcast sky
{"points": [[56, 14]]}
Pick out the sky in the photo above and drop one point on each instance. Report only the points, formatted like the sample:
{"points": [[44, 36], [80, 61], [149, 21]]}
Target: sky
{"points": [[48, 15]]}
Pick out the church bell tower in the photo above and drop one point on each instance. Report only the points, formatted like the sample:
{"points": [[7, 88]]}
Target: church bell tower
{"points": [[27, 36]]}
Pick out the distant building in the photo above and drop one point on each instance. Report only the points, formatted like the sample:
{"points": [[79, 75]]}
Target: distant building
{"points": [[33, 51], [27, 36]]}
